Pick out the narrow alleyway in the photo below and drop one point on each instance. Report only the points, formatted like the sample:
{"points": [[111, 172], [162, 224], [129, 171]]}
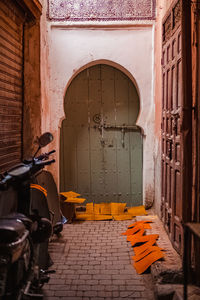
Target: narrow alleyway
{"points": [[93, 261]]}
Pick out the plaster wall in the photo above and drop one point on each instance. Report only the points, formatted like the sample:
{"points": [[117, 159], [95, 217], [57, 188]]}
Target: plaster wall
{"points": [[32, 94], [68, 50]]}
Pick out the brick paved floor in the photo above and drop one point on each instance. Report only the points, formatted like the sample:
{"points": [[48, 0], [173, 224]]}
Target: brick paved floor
{"points": [[93, 261]]}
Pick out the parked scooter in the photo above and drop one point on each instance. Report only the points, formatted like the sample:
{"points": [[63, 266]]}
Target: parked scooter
{"points": [[26, 224]]}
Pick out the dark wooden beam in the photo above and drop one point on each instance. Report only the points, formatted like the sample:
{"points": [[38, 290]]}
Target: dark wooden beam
{"points": [[33, 7]]}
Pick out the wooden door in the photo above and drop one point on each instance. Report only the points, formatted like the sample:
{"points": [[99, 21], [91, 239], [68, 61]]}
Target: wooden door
{"points": [[176, 126], [11, 83], [101, 147]]}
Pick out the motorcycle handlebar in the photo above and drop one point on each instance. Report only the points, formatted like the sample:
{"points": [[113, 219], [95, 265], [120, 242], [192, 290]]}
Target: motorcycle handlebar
{"points": [[45, 163], [51, 152], [22, 174], [45, 155], [4, 182]]}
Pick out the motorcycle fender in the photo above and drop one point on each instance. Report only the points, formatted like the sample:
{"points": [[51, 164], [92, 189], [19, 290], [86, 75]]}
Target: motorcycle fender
{"points": [[39, 203], [46, 180]]}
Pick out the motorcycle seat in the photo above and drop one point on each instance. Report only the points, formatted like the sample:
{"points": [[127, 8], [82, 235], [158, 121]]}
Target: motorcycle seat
{"points": [[11, 230], [15, 215]]}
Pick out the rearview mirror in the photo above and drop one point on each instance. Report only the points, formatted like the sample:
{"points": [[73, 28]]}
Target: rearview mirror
{"points": [[45, 139]]}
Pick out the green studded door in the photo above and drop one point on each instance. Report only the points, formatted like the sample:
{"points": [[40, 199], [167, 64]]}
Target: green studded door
{"points": [[101, 147]]}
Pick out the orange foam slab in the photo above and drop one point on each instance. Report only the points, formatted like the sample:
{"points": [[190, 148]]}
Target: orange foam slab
{"points": [[97, 209], [145, 238], [85, 216], [105, 208], [89, 208], [70, 194], [138, 250], [133, 236], [137, 211], [140, 222], [122, 217], [74, 200], [146, 252], [134, 229], [142, 265], [117, 208], [102, 217]]}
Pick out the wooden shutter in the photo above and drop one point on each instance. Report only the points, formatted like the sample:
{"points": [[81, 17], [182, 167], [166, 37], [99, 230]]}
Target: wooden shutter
{"points": [[11, 83]]}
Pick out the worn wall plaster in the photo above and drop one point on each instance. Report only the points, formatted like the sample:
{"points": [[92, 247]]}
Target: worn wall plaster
{"points": [[71, 49]]}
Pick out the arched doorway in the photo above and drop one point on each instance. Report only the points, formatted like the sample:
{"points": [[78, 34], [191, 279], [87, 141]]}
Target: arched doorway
{"points": [[101, 147]]}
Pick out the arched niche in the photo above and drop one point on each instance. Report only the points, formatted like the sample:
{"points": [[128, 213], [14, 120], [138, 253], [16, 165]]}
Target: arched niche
{"points": [[101, 145]]}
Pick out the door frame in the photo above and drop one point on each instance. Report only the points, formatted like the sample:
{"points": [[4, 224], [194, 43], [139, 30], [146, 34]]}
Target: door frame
{"points": [[130, 77], [145, 121], [185, 192]]}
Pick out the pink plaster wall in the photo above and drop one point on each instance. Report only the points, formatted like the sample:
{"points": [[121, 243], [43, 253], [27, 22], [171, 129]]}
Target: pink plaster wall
{"points": [[32, 96], [68, 48]]}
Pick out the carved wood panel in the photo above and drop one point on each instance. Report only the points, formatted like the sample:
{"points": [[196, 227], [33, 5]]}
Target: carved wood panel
{"points": [[172, 114], [90, 10]]}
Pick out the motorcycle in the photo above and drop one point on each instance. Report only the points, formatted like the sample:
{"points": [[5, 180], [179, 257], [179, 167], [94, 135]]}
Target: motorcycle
{"points": [[26, 225]]}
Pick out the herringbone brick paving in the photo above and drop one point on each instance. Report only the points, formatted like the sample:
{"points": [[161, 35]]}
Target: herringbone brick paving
{"points": [[93, 262]]}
